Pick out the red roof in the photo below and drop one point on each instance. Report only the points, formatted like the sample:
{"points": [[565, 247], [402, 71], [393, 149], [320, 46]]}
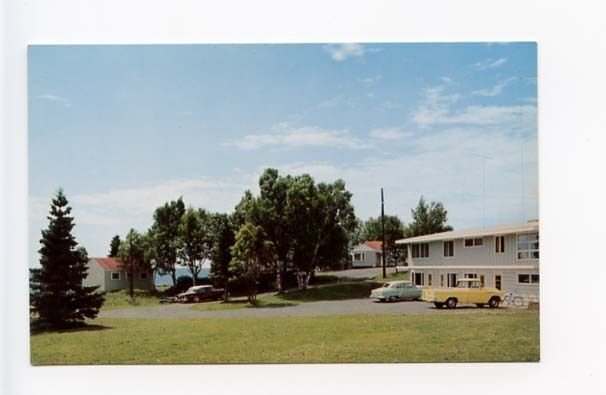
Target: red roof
{"points": [[108, 263], [375, 245]]}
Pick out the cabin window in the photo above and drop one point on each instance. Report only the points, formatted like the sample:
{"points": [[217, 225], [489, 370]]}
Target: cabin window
{"points": [[419, 279], [441, 280], [358, 257], [474, 242], [528, 246], [482, 280], [470, 275], [115, 275], [143, 275], [429, 278], [499, 244], [449, 248], [420, 250], [528, 278]]}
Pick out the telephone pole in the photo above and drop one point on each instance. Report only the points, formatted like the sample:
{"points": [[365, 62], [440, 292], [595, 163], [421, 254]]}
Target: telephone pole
{"points": [[383, 257]]}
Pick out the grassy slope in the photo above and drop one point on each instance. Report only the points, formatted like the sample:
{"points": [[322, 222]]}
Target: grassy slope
{"points": [[122, 300], [450, 337]]}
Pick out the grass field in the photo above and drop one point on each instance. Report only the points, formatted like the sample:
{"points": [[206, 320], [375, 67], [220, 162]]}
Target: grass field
{"points": [[122, 300], [450, 337]]}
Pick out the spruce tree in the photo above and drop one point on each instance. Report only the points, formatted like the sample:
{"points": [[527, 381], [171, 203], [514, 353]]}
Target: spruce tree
{"points": [[114, 247], [56, 291]]}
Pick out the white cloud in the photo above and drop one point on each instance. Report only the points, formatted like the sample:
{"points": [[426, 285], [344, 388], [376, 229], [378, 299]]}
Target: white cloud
{"points": [[340, 52], [489, 64], [495, 90], [283, 136], [371, 80], [441, 166], [389, 134], [447, 80], [437, 108], [55, 98]]}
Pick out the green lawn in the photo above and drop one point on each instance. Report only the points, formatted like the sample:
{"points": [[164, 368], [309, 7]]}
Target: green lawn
{"points": [[458, 336], [122, 300]]}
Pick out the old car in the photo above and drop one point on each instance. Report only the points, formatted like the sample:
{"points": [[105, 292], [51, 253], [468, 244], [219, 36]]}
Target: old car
{"points": [[198, 293], [396, 290], [467, 291]]}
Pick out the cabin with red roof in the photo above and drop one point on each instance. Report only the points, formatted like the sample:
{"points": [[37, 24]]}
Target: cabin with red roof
{"points": [[110, 275], [367, 254]]}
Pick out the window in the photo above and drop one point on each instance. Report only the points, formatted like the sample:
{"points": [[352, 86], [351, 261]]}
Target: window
{"points": [[497, 281], [528, 278], [475, 242], [452, 279], [470, 275], [115, 275], [499, 244], [429, 280], [358, 257], [449, 248], [482, 281], [143, 275], [528, 246], [441, 280], [420, 250], [419, 279]]}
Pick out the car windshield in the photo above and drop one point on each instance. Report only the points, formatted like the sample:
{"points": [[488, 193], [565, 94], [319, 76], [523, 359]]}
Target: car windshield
{"points": [[468, 284], [386, 285]]}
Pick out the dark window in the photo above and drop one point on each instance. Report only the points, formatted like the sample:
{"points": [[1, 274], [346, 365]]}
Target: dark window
{"points": [[419, 278], [115, 275], [452, 279], [476, 242], [497, 281], [524, 278], [534, 278], [499, 244], [420, 250], [468, 242], [449, 248]]}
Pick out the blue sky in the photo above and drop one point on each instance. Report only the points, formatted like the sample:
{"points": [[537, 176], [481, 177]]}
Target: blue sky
{"points": [[124, 128]]}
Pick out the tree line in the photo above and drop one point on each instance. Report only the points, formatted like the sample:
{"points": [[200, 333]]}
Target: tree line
{"points": [[293, 225]]}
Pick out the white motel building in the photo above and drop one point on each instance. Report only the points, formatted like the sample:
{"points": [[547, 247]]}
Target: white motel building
{"points": [[504, 257]]}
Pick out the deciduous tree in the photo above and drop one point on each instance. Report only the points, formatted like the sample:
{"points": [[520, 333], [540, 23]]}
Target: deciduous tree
{"points": [[251, 253], [428, 218], [222, 237], [195, 244], [165, 237]]}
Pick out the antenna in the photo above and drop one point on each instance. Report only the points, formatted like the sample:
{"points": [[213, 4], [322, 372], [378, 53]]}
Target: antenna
{"points": [[483, 157]]}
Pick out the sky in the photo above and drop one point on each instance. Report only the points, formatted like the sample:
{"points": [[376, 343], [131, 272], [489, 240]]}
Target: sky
{"points": [[123, 129]]}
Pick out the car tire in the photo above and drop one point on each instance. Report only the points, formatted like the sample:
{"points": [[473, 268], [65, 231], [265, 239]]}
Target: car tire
{"points": [[451, 303], [494, 302], [392, 299], [196, 299], [438, 305]]}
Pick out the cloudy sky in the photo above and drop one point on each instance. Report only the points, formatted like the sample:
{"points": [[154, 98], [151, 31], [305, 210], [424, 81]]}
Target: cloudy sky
{"points": [[125, 128]]}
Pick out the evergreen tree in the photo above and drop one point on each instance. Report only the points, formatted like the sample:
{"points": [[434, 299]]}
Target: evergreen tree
{"points": [[56, 291], [114, 247]]}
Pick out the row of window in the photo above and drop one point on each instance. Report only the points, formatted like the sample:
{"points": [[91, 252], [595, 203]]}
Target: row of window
{"points": [[451, 279], [527, 246], [116, 275]]}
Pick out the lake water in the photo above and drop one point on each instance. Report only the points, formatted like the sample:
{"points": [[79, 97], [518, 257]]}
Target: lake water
{"points": [[167, 280]]}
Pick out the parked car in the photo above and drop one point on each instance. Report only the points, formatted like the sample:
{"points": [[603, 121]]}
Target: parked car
{"points": [[396, 290], [200, 292], [467, 291]]}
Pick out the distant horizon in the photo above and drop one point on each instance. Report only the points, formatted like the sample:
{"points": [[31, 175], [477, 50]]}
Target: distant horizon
{"points": [[124, 129]]}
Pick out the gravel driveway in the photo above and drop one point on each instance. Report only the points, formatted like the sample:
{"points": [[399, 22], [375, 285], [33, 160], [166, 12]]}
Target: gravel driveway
{"points": [[336, 307]]}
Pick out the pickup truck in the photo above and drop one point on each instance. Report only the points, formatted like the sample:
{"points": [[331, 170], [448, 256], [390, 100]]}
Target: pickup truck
{"points": [[200, 292], [467, 291]]}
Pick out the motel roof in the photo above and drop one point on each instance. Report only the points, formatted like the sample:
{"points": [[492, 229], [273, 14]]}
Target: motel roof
{"points": [[530, 226]]}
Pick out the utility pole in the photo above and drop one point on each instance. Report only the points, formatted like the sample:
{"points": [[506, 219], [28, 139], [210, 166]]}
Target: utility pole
{"points": [[383, 235]]}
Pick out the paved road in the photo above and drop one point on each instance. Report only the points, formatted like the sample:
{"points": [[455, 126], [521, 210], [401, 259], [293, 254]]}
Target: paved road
{"points": [[341, 307]]}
